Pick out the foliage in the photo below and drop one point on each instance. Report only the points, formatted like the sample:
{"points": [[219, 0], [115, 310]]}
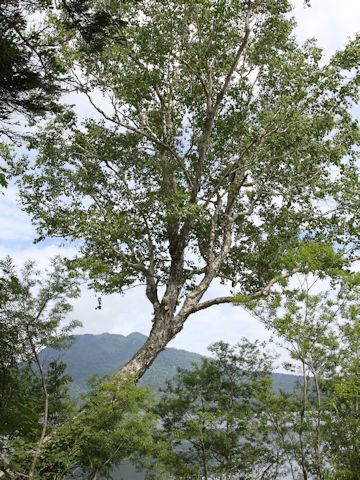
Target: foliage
{"points": [[21, 401], [34, 305], [220, 143], [42, 436], [317, 435], [343, 393], [5, 157], [28, 79], [9, 284], [221, 417], [212, 417], [114, 424], [91, 22]]}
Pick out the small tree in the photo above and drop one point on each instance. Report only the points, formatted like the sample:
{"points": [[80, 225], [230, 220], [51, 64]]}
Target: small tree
{"points": [[212, 417], [37, 439], [319, 332], [114, 424], [218, 142], [33, 397], [342, 408]]}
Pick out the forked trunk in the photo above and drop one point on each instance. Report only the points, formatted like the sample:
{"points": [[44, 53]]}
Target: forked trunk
{"points": [[167, 323]]}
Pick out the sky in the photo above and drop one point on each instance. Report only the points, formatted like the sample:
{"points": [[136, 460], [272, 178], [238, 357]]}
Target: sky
{"points": [[332, 23]]}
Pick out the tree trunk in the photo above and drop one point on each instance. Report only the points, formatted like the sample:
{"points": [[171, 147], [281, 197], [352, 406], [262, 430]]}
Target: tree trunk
{"points": [[164, 329], [167, 323]]}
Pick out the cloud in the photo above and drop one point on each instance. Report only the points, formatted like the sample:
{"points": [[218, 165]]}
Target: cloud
{"points": [[331, 22], [38, 253], [227, 322], [15, 224], [118, 314]]}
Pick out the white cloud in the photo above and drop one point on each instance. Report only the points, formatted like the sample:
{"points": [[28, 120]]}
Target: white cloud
{"points": [[15, 224], [39, 253], [331, 22], [229, 323], [119, 314]]}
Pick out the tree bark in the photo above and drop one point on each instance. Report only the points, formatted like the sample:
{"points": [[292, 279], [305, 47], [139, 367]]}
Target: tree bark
{"points": [[164, 329]]}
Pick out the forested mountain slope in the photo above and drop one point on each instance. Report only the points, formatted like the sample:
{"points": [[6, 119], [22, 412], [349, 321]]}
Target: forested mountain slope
{"points": [[106, 353]]}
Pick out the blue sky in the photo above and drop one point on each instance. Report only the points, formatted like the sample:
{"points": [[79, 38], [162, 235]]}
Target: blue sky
{"points": [[331, 22]]}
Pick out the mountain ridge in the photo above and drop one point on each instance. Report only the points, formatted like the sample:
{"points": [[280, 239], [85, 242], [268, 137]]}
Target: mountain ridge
{"points": [[105, 353]]}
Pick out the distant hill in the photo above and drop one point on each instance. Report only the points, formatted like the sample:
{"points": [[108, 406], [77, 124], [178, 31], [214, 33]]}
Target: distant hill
{"points": [[106, 353]]}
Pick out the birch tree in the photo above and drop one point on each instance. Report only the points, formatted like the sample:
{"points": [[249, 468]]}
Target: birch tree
{"points": [[218, 150]]}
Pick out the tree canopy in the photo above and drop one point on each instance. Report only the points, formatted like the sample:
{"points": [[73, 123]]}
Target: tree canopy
{"points": [[219, 149], [31, 78], [28, 78], [213, 417]]}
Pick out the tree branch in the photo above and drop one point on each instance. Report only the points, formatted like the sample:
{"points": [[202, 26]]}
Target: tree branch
{"points": [[46, 404], [145, 131], [232, 299], [239, 52], [211, 112], [213, 301]]}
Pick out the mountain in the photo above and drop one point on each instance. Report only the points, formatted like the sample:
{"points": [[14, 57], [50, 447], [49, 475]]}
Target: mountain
{"points": [[106, 353]]}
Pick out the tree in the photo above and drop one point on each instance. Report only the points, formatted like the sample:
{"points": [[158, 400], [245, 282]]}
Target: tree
{"points": [[342, 407], [310, 425], [28, 79], [115, 423], [42, 433], [220, 141], [9, 284], [33, 395], [31, 78], [91, 22], [307, 329], [212, 417]]}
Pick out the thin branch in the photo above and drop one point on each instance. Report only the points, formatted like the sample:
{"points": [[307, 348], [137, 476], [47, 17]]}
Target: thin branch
{"points": [[145, 131], [214, 301], [46, 403], [211, 113], [266, 290], [214, 224], [7, 472], [200, 78], [149, 273], [240, 51]]}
